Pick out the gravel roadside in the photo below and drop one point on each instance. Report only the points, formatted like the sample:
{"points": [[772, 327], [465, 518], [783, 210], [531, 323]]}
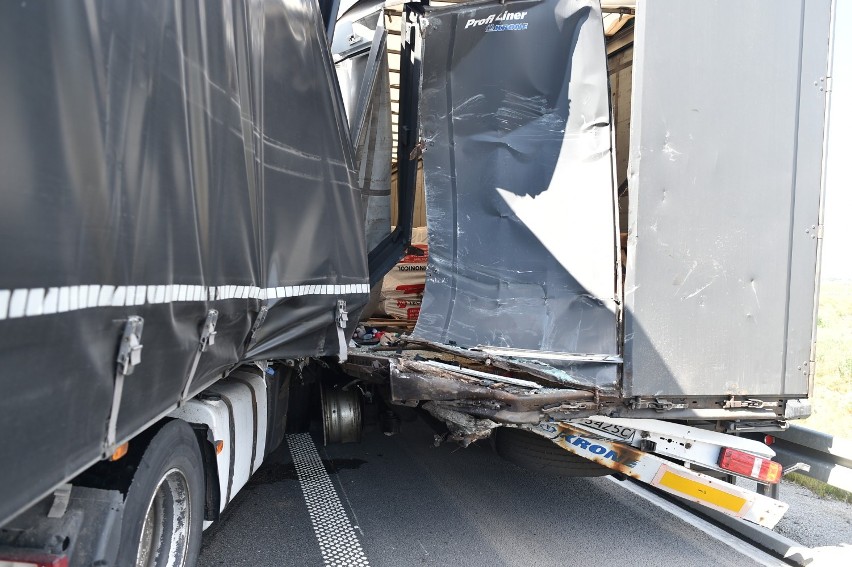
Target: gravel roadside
{"points": [[812, 520], [815, 521]]}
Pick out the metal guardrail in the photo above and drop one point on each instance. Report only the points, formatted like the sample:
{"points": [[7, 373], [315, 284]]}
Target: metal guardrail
{"points": [[780, 545], [830, 461], [829, 457]]}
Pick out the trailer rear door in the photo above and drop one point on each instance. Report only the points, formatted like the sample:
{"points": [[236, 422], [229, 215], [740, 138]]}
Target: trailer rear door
{"points": [[725, 174]]}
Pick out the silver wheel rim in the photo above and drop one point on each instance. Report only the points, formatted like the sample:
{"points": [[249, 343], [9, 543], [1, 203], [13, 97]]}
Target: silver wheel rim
{"points": [[165, 534], [341, 415]]}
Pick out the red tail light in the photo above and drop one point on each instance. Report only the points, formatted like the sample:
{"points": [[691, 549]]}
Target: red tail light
{"points": [[15, 558], [751, 466]]}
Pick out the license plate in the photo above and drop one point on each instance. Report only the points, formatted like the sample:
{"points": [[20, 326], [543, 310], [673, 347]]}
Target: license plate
{"points": [[620, 431]]}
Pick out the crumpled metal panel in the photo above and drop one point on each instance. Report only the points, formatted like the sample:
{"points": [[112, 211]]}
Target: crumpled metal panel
{"points": [[518, 175], [725, 178], [161, 159], [359, 47]]}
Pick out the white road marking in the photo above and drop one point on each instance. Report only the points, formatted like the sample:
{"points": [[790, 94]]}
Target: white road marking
{"points": [[337, 540]]}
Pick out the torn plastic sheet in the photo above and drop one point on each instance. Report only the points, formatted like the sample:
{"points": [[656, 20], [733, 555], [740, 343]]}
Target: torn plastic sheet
{"points": [[518, 175]]}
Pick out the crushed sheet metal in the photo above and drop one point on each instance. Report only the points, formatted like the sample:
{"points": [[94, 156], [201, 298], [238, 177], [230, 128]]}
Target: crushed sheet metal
{"points": [[517, 169], [417, 380], [550, 355], [463, 428], [665, 475], [483, 375], [566, 375]]}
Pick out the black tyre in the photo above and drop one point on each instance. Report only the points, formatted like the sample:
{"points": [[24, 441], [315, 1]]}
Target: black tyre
{"points": [[538, 454], [164, 506], [301, 407]]}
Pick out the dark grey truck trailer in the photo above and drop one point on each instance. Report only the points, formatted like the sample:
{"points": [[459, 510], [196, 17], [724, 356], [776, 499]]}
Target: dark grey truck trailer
{"points": [[197, 204]]}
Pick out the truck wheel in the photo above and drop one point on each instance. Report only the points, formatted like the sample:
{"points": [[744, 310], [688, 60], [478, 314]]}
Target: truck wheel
{"points": [[536, 453], [341, 415], [164, 507], [300, 406]]}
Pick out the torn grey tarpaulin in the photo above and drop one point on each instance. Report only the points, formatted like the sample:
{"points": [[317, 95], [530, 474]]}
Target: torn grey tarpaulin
{"points": [[518, 180]]}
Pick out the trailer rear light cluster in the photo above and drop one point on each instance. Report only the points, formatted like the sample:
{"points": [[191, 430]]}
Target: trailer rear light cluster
{"points": [[758, 468], [14, 558]]}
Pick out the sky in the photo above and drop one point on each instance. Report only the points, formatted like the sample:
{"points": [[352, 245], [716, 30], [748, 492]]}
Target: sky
{"points": [[837, 235]]}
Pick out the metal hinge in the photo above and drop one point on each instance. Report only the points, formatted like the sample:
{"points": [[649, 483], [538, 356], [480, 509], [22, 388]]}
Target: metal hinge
{"points": [[129, 356], [565, 407], [341, 317], [750, 403], [657, 404], [130, 348], [208, 338], [662, 405], [261, 317], [208, 331], [417, 150]]}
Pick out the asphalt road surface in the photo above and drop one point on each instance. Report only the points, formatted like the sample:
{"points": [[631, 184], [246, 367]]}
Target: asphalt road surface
{"points": [[400, 501]]}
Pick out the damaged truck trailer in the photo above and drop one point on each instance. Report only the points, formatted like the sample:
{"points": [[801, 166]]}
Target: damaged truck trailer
{"points": [[549, 133], [199, 208]]}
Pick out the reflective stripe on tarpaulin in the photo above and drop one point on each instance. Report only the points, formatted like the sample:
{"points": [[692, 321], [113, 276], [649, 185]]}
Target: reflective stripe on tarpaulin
{"points": [[45, 301]]}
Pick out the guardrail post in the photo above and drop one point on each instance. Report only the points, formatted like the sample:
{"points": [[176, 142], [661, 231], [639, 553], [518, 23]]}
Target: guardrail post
{"points": [[770, 490]]}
